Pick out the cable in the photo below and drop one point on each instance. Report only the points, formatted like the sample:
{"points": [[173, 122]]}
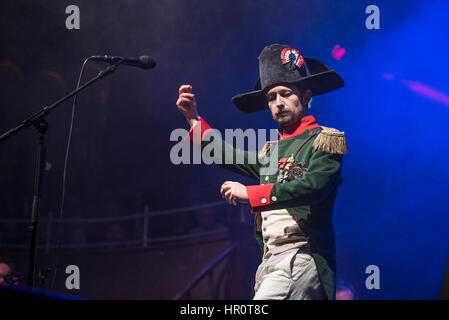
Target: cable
{"points": [[69, 139]]}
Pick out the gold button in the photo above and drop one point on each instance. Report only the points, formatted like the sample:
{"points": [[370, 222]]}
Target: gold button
{"points": [[274, 198], [263, 200]]}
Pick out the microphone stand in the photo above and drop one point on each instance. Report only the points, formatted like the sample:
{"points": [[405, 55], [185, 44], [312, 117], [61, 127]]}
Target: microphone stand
{"points": [[38, 121]]}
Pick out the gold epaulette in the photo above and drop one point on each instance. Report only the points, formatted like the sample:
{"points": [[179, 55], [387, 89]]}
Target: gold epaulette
{"points": [[330, 140]]}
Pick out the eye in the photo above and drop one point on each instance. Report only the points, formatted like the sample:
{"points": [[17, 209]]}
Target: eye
{"points": [[286, 93], [270, 97]]}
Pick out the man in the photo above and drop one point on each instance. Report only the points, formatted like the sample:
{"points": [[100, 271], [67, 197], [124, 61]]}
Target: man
{"points": [[345, 291], [293, 206], [6, 270]]}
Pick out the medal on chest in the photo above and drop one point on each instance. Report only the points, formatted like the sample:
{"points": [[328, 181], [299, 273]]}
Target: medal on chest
{"points": [[290, 169]]}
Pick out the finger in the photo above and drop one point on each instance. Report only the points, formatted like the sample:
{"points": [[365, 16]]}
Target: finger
{"points": [[228, 195], [223, 190], [228, 183], [188, 100], [187, 95], [185, 88], [184, 101], [227, 198], [225, 186]]}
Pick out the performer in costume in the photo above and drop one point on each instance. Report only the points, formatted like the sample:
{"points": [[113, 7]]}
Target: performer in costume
{"points": [[293, 204]]}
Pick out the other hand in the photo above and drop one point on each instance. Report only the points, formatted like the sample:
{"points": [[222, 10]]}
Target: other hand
{"points": [[234, 192]]}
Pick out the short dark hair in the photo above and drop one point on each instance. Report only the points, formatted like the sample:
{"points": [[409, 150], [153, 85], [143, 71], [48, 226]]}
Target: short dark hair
{"points": [[343, 285], [300, 89], [7, 261], [301, 92]]}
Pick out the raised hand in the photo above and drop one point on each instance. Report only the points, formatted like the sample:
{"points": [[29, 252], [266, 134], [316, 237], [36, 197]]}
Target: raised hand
{"points": [[187, 104]]}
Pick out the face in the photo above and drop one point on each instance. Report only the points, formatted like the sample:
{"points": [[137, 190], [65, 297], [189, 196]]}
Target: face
{"points": [[4, 271], [286, 104], [344, 295]]}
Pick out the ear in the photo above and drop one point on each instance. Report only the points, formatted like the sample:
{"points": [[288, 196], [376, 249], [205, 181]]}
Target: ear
{"points": [[307, 95]]}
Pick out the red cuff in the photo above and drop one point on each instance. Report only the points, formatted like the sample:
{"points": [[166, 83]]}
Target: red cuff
{"points": [[198, 131], [259, 197]]}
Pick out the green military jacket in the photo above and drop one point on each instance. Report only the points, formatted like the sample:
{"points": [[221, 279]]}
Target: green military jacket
{"points": [[309, 199]]}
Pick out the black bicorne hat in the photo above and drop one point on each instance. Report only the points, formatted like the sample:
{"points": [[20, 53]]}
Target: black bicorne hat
{"points": [[281, 64]]}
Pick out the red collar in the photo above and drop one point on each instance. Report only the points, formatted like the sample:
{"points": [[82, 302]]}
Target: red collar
{"points": [[293, 130]]}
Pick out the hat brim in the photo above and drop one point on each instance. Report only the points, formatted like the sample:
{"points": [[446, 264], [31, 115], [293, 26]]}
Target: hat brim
{"points": [[319, 84]]}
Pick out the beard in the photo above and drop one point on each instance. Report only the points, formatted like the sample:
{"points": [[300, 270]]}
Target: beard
{"points": [[286, 118]]}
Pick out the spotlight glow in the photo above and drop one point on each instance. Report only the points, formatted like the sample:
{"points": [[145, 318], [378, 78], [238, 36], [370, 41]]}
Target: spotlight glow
{"points": [[338, 52]]}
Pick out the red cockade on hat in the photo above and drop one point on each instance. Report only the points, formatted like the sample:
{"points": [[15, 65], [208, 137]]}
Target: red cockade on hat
{"points": [[292, 56]]}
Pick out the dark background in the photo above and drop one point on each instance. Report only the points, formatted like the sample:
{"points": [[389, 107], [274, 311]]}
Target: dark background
{"points": [[392, 207]]}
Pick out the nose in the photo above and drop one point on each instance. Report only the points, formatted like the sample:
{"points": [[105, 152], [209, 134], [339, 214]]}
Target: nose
{"points": [[279, 102]]}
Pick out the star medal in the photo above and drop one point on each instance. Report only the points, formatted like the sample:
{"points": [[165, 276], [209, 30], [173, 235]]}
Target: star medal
{"points": [[290, 169]]}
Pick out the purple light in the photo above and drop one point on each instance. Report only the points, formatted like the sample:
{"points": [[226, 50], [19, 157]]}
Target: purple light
{"points": [[427, 91], [338, 52]]}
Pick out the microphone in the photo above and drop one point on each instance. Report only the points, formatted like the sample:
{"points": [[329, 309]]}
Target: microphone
{"points": [[144, 62]]}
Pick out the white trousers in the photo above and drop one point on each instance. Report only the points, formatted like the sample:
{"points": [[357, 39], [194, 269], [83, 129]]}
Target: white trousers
{"points": [[290, 275]]}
